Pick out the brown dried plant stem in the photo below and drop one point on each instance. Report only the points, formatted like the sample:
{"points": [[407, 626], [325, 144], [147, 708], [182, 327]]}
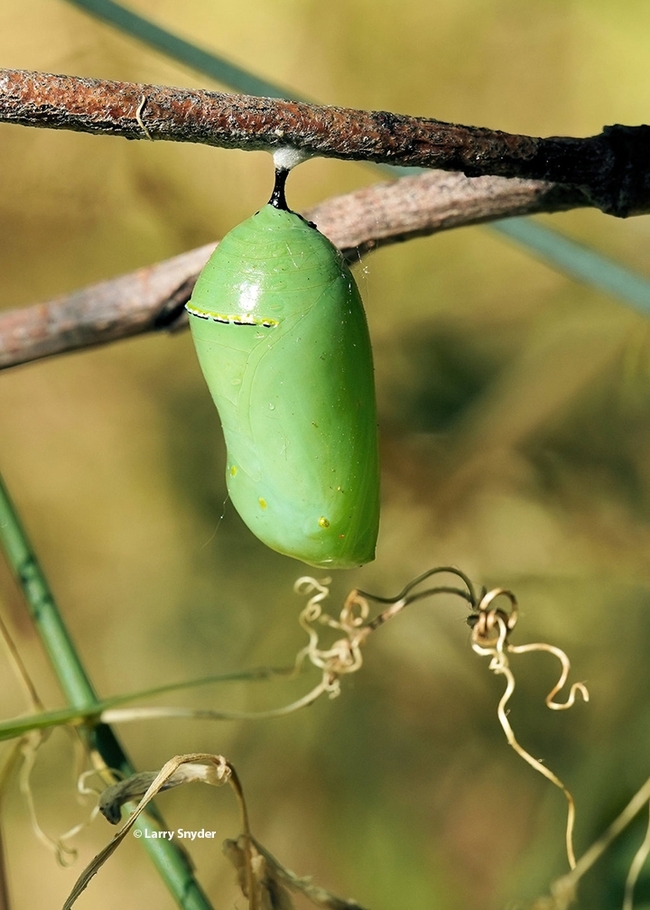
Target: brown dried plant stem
{"points": [[613, 168], [151, 299], [264, 881]]}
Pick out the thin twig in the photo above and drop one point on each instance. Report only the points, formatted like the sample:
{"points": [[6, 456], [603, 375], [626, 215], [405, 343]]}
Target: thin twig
{"points": [[566, 885], [634, 872], [153, 298], [612, 168]]}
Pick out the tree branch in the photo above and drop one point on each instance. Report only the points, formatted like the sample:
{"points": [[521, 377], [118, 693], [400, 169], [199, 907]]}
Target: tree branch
{"points": [[153, 298], [612, 169]]}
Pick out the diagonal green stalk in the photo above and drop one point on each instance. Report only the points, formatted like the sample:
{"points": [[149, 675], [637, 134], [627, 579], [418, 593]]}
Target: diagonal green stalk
{"points": [[74, 716], [171, 863], [212, 65], [557, 251], [578, 261]]}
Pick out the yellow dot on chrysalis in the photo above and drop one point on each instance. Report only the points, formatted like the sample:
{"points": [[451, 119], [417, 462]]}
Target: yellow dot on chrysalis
{"points": [[262, 502], [233, 470], [323, 522]]}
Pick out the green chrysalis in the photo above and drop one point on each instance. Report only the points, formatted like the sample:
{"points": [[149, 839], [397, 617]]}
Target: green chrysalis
{"points": [[282, 340]]}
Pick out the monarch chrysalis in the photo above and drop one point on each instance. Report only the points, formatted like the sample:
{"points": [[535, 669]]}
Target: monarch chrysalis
{"points": [[282, 340]]}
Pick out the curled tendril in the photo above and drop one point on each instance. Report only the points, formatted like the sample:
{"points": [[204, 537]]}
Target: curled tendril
{"points": [[344, 656], [487, 621], [65, 855], [577, 687], [491, 627], [311, 611]]}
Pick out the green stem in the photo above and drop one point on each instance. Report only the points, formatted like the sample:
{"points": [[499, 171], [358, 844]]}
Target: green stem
{"points": [[171, 863], [17, 726], [213, 65], [578, 261]]}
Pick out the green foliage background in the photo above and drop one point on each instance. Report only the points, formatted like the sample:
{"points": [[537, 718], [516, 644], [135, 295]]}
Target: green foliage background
{"points": [[515, 442]]}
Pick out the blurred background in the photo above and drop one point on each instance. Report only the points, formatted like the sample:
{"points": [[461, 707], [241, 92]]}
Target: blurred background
{"points": [[513, 419]]}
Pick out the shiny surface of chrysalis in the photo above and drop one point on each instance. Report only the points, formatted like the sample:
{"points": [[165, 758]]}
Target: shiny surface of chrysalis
{"points": [[282, 340]]}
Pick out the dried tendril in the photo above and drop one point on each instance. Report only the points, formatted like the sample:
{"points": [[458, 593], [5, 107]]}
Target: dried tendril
{"points": [[491, 627]]}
